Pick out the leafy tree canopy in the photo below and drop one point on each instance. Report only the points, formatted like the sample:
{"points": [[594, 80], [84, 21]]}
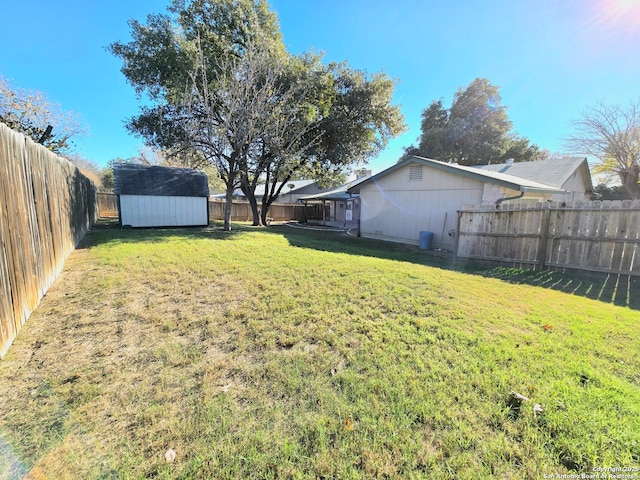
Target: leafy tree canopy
{"points": [[603, 191], [224, 88], [475, 130], [107, 179], [164, 52]]}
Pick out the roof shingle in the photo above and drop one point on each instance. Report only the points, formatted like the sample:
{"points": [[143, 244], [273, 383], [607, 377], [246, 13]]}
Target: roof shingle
{"points": [[134, 179], [554, 172]]}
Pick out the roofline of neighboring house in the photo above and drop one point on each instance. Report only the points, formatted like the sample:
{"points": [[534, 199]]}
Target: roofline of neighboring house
{"points": [[261, 189], [501, 179], [583, 164], [331, 196], [339, 193]]}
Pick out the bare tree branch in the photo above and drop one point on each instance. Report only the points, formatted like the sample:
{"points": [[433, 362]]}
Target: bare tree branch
{"points": [[32, 114], [611, 133]]}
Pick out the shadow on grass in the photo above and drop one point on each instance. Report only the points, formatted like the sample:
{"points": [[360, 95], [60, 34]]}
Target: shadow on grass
{"points": [[108, 231], [621, 290]]}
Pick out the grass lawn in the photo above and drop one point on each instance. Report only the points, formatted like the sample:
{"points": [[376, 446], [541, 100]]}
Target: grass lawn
{"points": [[283, 353]]}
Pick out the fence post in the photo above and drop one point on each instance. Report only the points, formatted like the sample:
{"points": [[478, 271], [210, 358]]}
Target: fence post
{"points": [[544, 236], [457, 241]]}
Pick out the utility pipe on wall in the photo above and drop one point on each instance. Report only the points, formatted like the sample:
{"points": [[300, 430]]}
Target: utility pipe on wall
{"points": [[504, 199]]}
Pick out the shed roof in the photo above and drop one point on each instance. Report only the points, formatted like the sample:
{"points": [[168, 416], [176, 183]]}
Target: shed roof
{"points": [[497, 178], [554, 172], [134, 179]]}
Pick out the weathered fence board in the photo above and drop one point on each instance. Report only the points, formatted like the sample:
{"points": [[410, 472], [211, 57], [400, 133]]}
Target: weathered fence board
{"points": [[278, 212], [46, 207], [241, 211], [107, 205], [594, 236]]}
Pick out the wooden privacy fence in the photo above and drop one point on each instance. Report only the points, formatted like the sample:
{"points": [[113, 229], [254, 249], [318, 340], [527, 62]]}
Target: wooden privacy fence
{"points": [[601, 236], [46, 208], [279, 212], [107, 205]]}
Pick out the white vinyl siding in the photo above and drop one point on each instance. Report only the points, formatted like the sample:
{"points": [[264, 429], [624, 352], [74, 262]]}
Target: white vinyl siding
{"points": [[160, 211]]}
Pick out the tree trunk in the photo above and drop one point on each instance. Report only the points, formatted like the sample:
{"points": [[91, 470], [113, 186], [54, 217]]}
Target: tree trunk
{"points": [[629, 177], [255, 213], [228, 204], [264, 213], [250, 193], [265, 210]]}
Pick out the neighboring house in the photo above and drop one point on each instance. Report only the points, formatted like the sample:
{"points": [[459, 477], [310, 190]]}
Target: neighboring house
{"points": [[152, 196], [420, 194], [569, 174], [291, 192], [338, 204]]}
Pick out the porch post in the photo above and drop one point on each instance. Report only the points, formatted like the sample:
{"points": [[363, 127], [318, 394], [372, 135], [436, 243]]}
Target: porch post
{"points": [[323, 213]]}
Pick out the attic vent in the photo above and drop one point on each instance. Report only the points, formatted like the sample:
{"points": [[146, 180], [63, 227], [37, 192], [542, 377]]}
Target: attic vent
{"points": [[415, 173]]}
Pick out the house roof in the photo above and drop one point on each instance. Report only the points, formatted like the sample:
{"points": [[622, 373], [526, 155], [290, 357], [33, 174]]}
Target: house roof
{"points": [[554, 172], [134, 179], [502, 179], [292, 186], [338, 193]]}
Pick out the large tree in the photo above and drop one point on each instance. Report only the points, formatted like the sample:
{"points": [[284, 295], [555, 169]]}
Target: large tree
{"points": [[184, 62], [475, 130], [352, 119], [240, 123], [256, 118], [222, 84], [31, 113], [611, 134]]}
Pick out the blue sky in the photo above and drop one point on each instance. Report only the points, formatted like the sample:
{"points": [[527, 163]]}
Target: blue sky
{"points": [[551, 59]]}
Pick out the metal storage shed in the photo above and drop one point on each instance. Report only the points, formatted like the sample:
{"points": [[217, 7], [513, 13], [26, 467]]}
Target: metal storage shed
{"points": [[152, 196]]}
